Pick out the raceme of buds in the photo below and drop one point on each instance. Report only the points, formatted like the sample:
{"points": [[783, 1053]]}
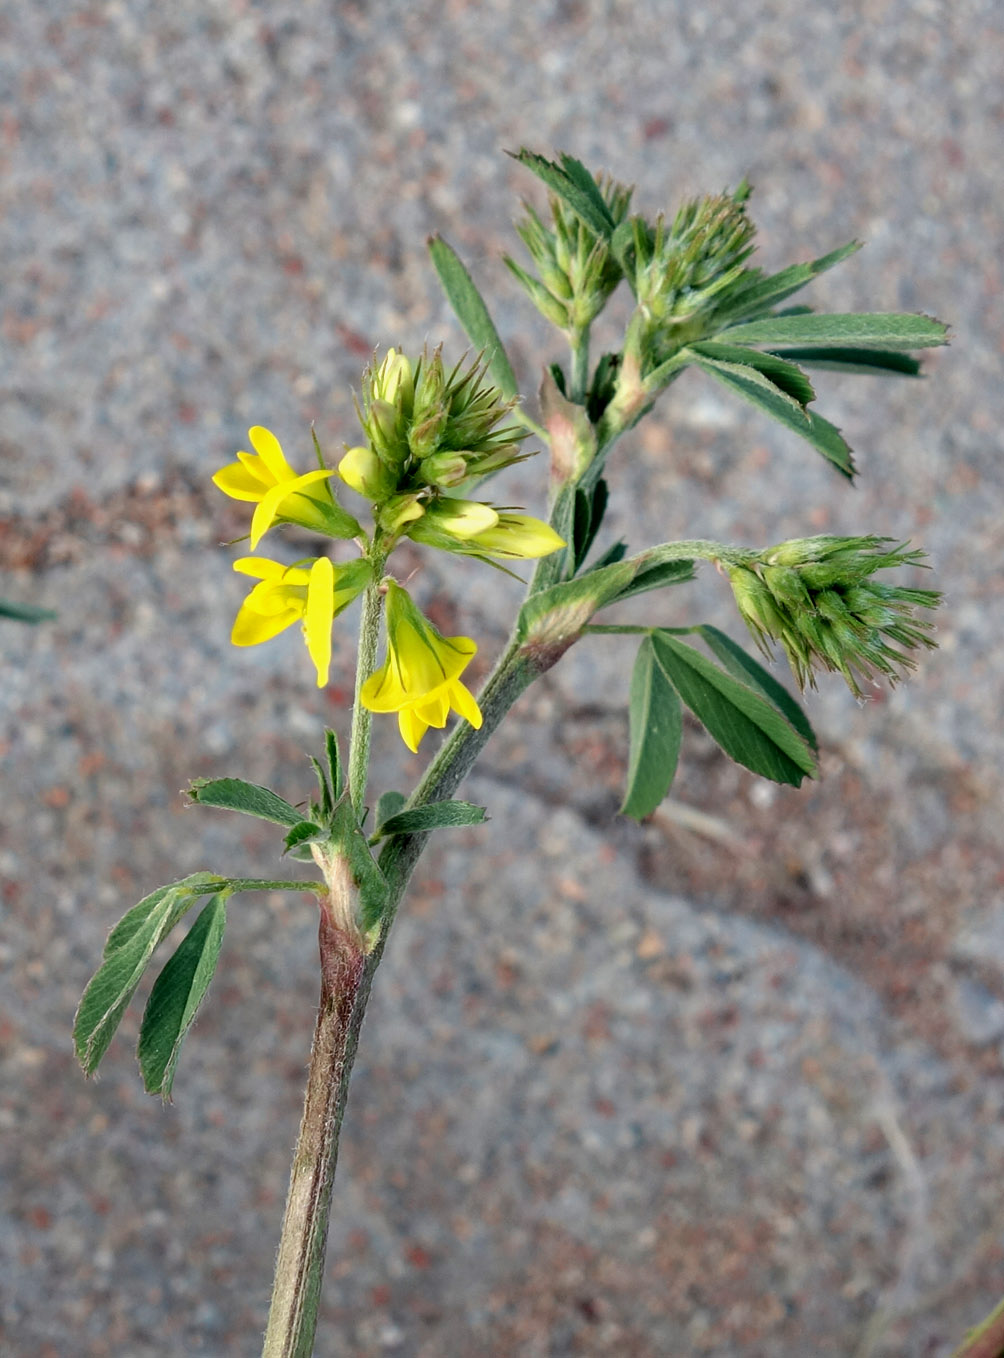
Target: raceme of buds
{"points": [[816, 596], [431, 431], [576, 269], [266, 479], [680, 271], [414, 412], [420, 677]]}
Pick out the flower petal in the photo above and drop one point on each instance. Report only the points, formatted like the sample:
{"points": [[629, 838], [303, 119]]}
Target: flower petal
{"points": [[238, 481], [266, 445], [260, 567], [412, 728], [270, 507], [319, 615], [251, 628], [463, 702], [382, 691]]}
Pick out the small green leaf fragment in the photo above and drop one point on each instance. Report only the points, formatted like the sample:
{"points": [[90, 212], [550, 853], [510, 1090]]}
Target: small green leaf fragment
{"points": [[25, 612], [304, 833], [388, 804], [748, 728], [868, 362], [573, 183], [138, 916], [234, 794], [432, 816], [334, 763], [176, 996], [656, 725], [470, 310], [590, 507]]}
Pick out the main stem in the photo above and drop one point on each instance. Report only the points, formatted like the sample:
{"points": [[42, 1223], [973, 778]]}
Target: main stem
{"points": [[299, 1268], [347, 971]]}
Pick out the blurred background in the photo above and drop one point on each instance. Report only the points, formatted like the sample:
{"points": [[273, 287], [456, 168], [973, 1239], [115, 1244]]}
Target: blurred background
{"points": [[727, 1083]]}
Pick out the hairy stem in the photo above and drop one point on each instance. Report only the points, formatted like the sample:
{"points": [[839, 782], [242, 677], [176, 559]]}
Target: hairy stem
{"points": [[579, 343], [362, 718], [299, 1267]]}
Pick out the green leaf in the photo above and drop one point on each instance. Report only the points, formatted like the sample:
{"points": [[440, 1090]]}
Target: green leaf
{"points": [[877, 362], [761, 392], [139, 915], [234, 794], [877, 331], [130, 946], [432, 816], [323, 808], [658, 576], [747, 377], [25, 612], [590, 507], [176, 996], [470, 310], [334, 763], [300, 837], [743, 667], [388, 804], [573, 183], [761, 293], [656, 725], [748, 728], [782, 373]]}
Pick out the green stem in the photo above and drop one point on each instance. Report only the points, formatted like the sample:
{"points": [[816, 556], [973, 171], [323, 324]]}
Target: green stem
{"points": [[362, 718], [579, 342]]}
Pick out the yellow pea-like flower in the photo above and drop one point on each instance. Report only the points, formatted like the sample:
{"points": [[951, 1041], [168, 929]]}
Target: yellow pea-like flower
{"points": [[420, 678], [266, 479], [313, 593]]}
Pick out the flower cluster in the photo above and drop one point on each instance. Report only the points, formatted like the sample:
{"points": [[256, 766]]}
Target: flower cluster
{"points": [[577, 270], [817, 598], [679, 271], [429, 434]]}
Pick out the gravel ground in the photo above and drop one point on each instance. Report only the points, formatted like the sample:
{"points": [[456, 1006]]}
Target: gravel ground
{"points": [[728, 1083]]}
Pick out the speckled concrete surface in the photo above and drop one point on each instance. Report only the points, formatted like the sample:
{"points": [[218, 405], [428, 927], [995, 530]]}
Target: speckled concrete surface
{"points": [[623, 1090]]}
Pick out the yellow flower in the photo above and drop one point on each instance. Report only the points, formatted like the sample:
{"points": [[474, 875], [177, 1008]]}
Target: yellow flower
{"points": [[475, 529], [314, 593], [420, 678], [517, 536], [265, 477]]}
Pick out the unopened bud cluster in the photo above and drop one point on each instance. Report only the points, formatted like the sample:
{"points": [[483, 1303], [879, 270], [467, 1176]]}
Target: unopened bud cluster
{"points": [[428, 432], [679, 272], [576, 269], [817, 598]]}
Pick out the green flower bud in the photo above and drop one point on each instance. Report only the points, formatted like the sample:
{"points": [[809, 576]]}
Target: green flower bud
{"points": [[444, 470], [398, 511], [361, 469]]}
